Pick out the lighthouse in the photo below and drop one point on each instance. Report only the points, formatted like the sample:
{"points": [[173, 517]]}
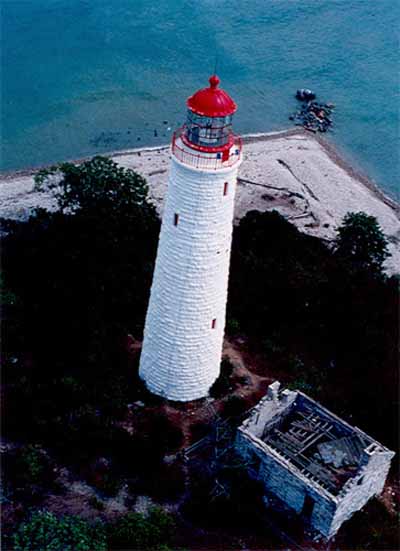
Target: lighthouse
{"points": [[185, 320]]}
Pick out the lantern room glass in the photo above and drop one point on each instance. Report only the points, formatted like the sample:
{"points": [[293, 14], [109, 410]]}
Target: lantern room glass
{"points": [[208, 131]]}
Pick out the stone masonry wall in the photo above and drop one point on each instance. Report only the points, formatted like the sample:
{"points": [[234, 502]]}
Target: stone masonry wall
{"points": [[182, 348], [368, 483], [281, 481], [268, 409], [284, 481]]}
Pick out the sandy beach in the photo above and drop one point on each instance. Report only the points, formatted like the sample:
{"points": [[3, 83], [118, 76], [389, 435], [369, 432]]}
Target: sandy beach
{"points": [[296, 173]]}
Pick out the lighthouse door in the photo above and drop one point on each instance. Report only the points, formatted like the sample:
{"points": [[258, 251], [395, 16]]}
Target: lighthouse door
{"points": [[225, 155]]}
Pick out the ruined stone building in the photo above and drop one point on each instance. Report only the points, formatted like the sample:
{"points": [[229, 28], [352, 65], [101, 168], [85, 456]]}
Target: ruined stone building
{"points": [[309, 460]]}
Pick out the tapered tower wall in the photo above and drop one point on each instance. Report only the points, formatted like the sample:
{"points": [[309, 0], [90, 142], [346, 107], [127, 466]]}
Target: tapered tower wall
{"points": [[185, 320]]}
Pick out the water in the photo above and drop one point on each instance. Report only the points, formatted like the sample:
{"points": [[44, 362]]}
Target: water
{"points": [[81, 77]]}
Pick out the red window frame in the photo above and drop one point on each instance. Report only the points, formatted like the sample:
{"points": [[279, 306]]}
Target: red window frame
{"points": [[226, 187]]}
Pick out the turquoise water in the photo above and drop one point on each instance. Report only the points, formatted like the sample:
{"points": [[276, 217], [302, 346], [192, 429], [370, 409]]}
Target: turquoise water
{"points": [[81, 77]]}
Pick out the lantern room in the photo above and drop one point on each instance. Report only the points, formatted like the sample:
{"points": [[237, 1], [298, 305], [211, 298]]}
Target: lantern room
{"points": [[209, 119], [206, 141]]}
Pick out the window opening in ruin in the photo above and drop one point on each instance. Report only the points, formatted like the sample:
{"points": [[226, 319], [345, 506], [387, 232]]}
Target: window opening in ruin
{"points": [[308, 506], [360, 481], [226, 188], [213, 323], [176, 219]]}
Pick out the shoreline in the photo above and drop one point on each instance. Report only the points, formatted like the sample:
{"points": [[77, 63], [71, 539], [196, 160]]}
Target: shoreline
{"points": [[300, 174], [332, 150]]}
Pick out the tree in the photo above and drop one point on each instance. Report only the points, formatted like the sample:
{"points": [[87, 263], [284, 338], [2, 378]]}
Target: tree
{"points": [[361, 243], [95, 185], [291, 292], [135, 531], [282, 272], [80, 278], [47, 532]]}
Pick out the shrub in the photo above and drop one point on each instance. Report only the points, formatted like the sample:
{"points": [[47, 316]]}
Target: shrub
{"points": [[270, 346], [28, 474], [72, 323], [223, 384], [307, 378], [108, 483], [96, 503], [232, 326], [31, 464], [46, 532], [234, 406], [135, 531], [166, 483]]}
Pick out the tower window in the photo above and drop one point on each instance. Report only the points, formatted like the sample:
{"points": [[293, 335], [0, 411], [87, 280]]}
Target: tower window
{"points": [[176, 219], [214, 323], [226, 185]]}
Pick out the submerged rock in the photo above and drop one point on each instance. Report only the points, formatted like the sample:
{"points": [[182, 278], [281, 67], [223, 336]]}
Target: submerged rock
{"points": [[304, 94]]}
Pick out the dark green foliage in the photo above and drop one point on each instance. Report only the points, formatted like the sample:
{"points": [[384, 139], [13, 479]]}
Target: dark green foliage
{"points": [[98, 185], [80, 278], [234, 406], [297, 299], [31, 464], [46, 532], [239, 506], [108, 484], [224, 383], [156, 436], [165, 484], [137, 532], [361, 243], [96, 503], [232, 326], [309, 379], [276, 275], [28, 474]]}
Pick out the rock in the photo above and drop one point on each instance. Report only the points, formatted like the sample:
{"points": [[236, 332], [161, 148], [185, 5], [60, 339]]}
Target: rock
{"points": [[304, 94], [313, 116]]}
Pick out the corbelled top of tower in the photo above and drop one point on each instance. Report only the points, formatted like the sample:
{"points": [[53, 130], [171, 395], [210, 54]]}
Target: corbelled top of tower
{"points": [[212, 101]]}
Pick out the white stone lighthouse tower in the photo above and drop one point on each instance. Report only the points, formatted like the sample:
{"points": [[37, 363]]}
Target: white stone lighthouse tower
{"points": [[185, 320]]}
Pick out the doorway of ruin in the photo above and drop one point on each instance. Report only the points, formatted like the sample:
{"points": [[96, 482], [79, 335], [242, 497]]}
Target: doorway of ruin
{"points": [[308, 506]]}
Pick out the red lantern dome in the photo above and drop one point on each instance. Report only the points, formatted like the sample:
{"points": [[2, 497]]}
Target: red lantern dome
{"points": [[212, 101], [208, 130]]}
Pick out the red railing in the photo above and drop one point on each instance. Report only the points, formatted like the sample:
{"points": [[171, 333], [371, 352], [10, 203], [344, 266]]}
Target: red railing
{"points": [[203, 160]]}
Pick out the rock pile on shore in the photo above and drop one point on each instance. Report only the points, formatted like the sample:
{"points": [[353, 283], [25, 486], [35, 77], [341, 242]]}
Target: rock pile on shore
{"points": [[313, 116]]}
